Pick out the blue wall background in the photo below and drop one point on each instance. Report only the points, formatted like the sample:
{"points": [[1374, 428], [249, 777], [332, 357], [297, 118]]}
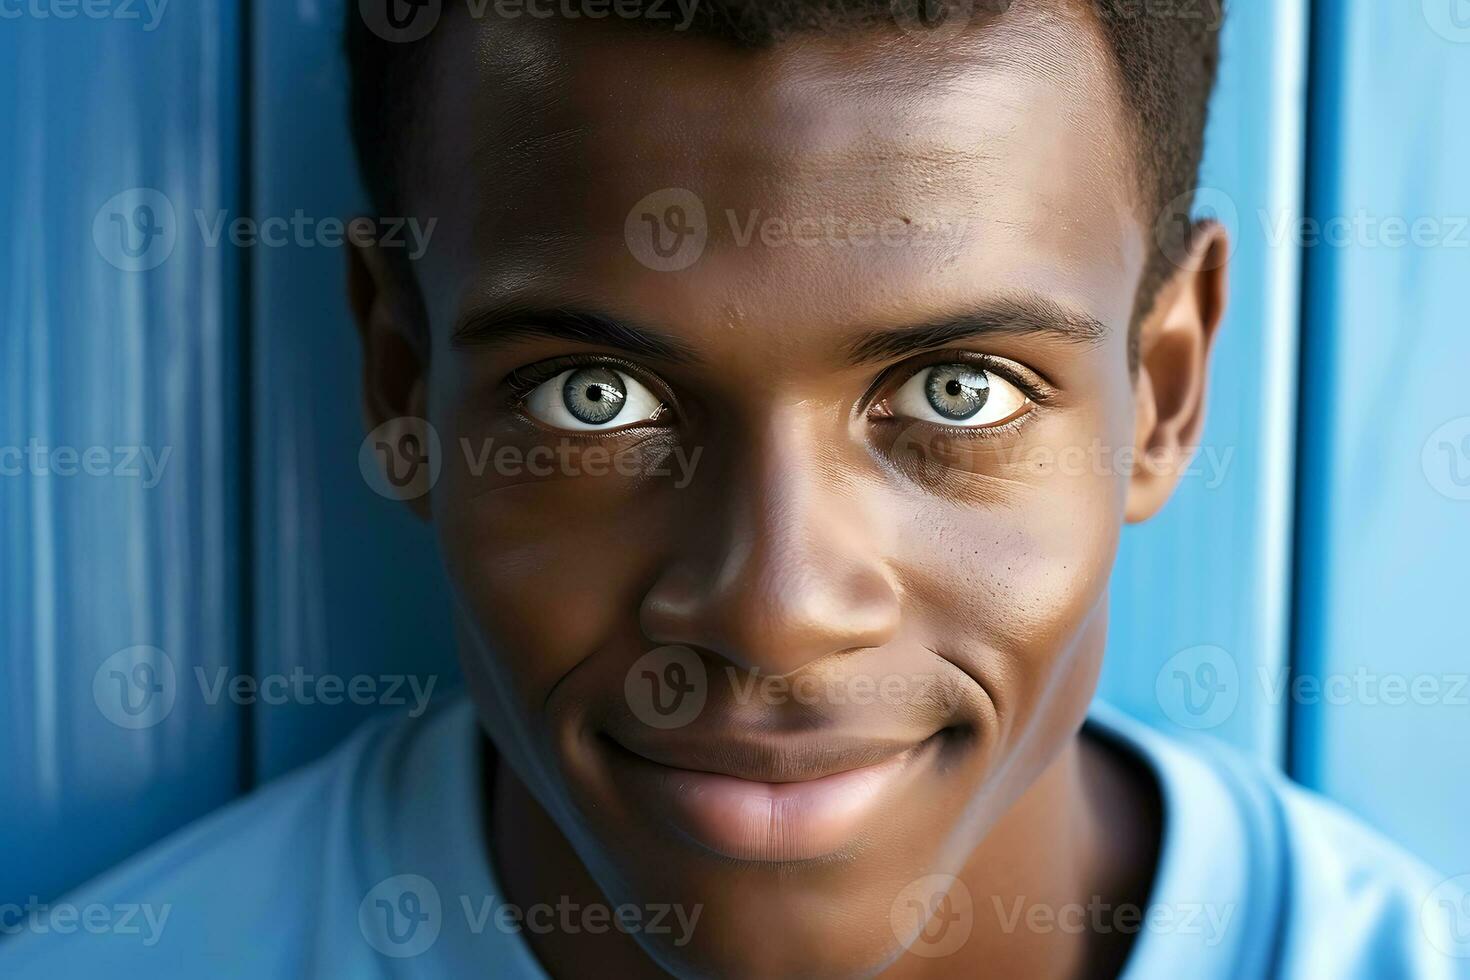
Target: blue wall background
{"points": [[101, 354], [1321, 539]]}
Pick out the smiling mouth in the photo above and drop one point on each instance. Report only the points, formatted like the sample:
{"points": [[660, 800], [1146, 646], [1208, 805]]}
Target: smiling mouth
{"points": [[761, 804]]}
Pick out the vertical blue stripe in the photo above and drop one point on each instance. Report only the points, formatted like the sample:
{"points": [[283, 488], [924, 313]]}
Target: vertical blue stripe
{"points": [[112, 361], [1202, 592], [346, 582], [1383, 640]]}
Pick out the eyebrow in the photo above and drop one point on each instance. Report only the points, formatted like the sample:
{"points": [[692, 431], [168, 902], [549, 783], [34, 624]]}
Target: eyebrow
{"points": [[1029, 315], [1025, 315], [502, 327]]}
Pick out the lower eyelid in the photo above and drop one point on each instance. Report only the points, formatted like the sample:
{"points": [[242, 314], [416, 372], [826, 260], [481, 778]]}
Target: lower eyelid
{"points": [[588, 435], [978, 431], [1007, 427]]}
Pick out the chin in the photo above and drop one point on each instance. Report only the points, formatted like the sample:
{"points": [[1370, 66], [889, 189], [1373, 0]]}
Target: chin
{"points": [[847, 913], [782, 930]]}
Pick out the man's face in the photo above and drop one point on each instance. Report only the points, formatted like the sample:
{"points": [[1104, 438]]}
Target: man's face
{"points": [[779, 595]]}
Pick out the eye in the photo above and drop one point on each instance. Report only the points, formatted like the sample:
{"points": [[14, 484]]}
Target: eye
{"points": [[962, 395], [590, 399]]}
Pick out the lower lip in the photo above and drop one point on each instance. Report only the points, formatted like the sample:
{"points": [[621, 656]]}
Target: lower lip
{"points": [[775, 822]]}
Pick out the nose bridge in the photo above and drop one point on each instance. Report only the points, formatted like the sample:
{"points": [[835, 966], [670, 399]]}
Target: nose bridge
{"points": [[796, 570]]}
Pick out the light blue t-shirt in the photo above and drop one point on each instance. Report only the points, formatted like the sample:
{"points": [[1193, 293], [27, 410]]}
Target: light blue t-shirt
{"points": [[371, 863]]}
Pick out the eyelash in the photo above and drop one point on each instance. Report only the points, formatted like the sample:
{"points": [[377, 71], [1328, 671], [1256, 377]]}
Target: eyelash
{"points": [[521, 381], [1036, 389], [1033, 385]]}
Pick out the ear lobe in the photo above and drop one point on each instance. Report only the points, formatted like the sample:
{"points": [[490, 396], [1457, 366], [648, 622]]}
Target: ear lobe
{"points": [[1175, 340], [393, 333]]}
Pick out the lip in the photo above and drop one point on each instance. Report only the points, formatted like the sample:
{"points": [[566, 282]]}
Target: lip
{"points": [[793, 757], [773, 809]]}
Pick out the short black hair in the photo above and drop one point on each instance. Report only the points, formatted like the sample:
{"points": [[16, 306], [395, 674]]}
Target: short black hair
{"points": [[1167, 55]]}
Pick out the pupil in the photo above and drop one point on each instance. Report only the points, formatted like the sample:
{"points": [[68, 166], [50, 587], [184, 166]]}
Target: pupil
{"points": [[594, 395], [957, 391]]}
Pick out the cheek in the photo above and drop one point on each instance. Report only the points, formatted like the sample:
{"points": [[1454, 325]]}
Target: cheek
{"points": [[1011, 579], [549, 549]]}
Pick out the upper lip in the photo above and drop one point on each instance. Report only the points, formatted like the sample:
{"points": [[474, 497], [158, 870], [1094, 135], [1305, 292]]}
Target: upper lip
{"points": [[786, 759]]}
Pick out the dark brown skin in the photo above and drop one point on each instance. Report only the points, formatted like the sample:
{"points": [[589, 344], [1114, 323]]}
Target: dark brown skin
{"points": [[822, 536]]}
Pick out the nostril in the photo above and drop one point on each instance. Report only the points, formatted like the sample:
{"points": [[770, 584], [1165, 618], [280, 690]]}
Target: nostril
{"points": [[775, 598], [673, 613]]}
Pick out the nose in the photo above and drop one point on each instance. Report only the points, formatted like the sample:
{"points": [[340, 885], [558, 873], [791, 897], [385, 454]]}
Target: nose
{"points": [[784, 566]]}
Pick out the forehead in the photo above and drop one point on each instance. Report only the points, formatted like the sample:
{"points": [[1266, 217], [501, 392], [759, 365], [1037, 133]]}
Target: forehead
{"points": [[843, 180]]}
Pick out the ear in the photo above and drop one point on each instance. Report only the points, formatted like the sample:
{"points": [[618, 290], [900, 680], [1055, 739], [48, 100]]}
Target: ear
{"points": [[1174, 346], [393, 328]]}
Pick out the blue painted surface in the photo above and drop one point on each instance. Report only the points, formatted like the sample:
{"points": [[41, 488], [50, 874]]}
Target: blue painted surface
{"points": [[103, 360], [347, 582], [1202, 592], [1383, 579]]}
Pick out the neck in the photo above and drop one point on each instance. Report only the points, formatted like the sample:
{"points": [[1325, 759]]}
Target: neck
{"points": [[1083, 836]]}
